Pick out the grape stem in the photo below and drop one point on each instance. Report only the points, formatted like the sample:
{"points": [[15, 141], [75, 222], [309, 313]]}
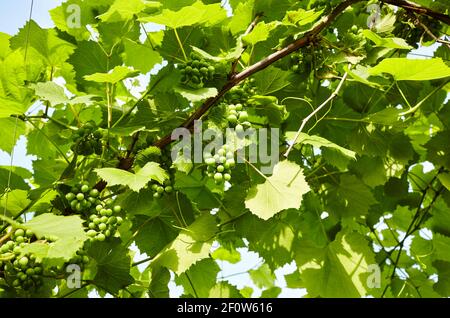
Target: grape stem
{"points": [[307, 118]]}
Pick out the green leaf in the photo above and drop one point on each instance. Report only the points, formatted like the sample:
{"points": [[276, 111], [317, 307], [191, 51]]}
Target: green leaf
{"points": [[135, 181], [13, 177], [338, 270], [159, 283], [4, 45], [272, 292], [68, 231], [198, 13], [10, 129], [113, 265], [198, 280], [231, 55], [196, 189], [263, 276], [260, 33], [443, 284], [354, 197], [283, 190], [11, 107], [140, 56], [45, 41], [441, 245], [293, 280], [242, 17], [403, 69], [197, 95], [117, 74], [320, 142], [51, 92], [271, 80], [224, 290], [17, 202], [394, 43], [192, 245], [64, 19], [123, 10], [89, 58], [232, 256], [301, 17], [152, 234]]}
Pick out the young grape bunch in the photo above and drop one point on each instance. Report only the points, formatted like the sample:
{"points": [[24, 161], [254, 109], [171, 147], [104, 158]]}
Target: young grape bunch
{"points": [[220, 164], [20, 271], [237, 117], [82, 197], [161, 189], [103, 223], [242, 93], [87, 140], [301, 63], [196, 72]]}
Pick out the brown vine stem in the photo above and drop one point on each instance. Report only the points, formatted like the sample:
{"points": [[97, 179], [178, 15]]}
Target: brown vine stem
{"points": [[272, 58], [434, 37], [307, 118]]}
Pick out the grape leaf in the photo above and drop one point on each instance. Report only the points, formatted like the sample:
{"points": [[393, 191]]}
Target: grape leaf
{"points": [[135, 181], [192, 245], [198, 13], [338, 270], [403, 69], [113, 265], [283, 190], [117, 74]]}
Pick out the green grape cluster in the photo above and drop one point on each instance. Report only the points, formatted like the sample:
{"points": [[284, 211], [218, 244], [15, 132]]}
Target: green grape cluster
{"points": [[20, 271], [220, 164], [242, 93], [160, 189], [355, 39], [82, 197], [196, 72], [301, 63], [103, 222], [87, 140], [237, 117]]}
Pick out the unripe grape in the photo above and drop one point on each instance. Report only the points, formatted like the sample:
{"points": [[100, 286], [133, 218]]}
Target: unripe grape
{"points": [[100, 237], [168, 189], [218, 177]]}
